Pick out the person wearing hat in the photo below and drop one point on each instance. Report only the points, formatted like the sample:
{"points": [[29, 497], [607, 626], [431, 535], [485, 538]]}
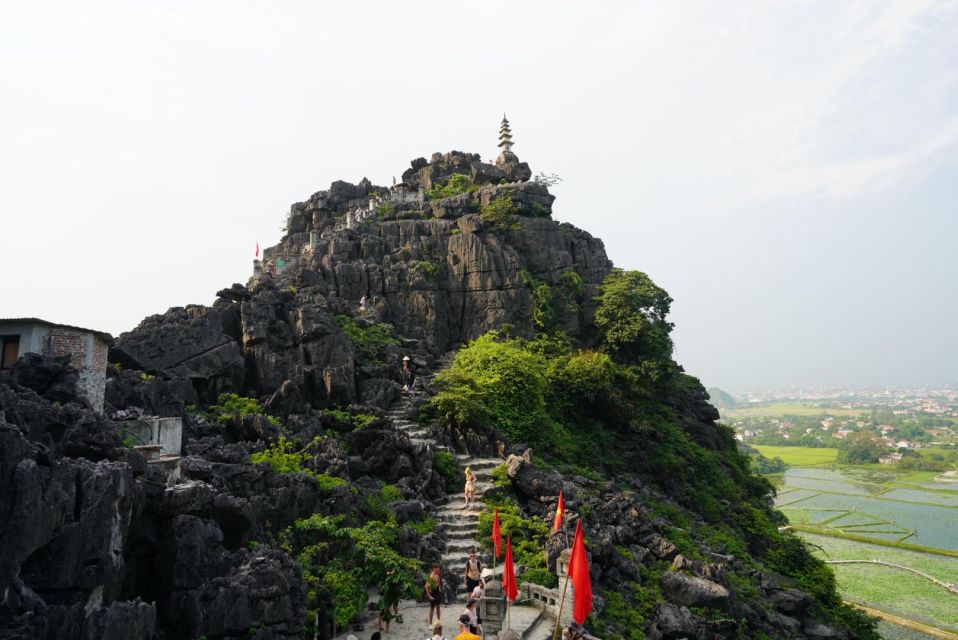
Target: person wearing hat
{"points": [[464, 633]]}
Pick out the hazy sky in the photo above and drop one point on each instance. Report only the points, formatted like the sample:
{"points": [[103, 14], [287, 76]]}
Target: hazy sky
{"points": [[788, 171]]}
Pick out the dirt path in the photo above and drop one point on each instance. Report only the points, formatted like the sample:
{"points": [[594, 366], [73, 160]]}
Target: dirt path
{"points": [[908, 623]]}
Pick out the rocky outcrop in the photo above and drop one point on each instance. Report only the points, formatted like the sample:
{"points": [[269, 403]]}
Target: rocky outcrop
{"points": [[97, 543]]}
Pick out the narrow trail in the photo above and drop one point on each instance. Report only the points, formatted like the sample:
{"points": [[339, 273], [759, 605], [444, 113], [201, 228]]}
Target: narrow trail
{"points": [[908, 623]]}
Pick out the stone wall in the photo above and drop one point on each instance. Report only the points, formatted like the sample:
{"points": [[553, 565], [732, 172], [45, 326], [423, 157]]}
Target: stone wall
{"points": [[88, 354]]}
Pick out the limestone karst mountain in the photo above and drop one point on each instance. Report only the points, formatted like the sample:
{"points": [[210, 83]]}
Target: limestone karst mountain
{"points": [[301, 452]]}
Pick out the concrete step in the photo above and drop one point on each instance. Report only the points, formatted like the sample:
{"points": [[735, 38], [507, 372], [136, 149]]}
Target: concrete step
{"points": [[462, 547], [452, 527]]}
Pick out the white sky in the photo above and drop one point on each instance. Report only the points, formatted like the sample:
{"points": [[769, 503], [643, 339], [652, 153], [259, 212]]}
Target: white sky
{"points": [[786, 170]]}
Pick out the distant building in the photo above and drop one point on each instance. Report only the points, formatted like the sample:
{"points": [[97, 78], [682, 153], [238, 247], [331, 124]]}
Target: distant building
{"points": [[890, 458], [87, 350]]}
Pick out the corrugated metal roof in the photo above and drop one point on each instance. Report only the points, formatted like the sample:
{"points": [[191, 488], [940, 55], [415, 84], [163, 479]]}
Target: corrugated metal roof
{"points": [[102, 335]]}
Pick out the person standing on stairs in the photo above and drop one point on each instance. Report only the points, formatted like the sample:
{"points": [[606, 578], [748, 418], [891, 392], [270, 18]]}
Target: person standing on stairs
{"points": [[473, 571], [407, 375], [433, 588], [470, 490]]}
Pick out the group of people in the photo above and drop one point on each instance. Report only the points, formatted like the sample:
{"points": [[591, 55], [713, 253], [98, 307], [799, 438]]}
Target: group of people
{"points": [[470, 621]]}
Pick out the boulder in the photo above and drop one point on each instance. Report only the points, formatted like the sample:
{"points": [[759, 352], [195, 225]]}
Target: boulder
{"points": [[689, 591]]}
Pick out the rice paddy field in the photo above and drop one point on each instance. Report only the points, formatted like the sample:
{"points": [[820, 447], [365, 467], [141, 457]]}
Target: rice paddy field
{"points": [[890, 589], [800, 456], [781, 409], [870, 513]]}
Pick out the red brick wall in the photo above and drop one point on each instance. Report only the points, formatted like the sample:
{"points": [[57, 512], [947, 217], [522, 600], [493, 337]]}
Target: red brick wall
{"points": [[66, 342]]}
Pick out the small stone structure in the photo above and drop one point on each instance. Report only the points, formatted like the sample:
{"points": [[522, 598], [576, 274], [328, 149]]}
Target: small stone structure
{"points": [[86, 348], [160, 440], [167, 433]]}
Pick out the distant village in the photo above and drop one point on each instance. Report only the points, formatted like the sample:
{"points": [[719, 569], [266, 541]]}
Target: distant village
{"points": [[898, 422]]}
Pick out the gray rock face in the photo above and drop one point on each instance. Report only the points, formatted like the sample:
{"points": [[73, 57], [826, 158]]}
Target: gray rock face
{"points": [[689, 591], [439, 282], [672, 622]]}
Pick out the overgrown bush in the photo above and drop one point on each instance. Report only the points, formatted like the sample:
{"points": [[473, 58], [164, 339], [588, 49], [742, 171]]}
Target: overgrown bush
{"points": [[356, 421], [499, 211], [284, 457], [445, 465], [371, 339], [230, 405], [454, 185]]}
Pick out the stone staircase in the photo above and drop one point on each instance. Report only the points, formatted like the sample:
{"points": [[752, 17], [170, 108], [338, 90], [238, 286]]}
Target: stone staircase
{"points": [[455, 524], [458, 525]]}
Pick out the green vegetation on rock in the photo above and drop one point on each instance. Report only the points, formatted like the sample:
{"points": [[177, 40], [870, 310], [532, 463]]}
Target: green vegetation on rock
{"points": [[370, 338]]}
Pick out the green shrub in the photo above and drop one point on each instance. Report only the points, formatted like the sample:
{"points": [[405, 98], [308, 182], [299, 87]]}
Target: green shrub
{"points": [[496, 382], [282, 456], [356, 420], [230, 405], [500, 476], [445, 465], [385, 209], [529, 534], [454, 185], [428, 268], [370, 339], [499, 211], [423, 527], [391, 493], [540, 576]]}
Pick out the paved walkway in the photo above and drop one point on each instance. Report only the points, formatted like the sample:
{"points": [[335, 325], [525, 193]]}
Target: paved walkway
{"points": [[415, 624]]}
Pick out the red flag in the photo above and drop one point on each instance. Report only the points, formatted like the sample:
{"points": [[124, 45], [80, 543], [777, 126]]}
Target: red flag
{"points": [[257, 250], [560, 510], [509, 574], [579, 575], [496, 535]]}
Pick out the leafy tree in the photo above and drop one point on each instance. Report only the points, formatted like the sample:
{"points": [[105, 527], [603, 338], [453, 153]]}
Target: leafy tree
{"points": [[859, 448], [631, 316]]}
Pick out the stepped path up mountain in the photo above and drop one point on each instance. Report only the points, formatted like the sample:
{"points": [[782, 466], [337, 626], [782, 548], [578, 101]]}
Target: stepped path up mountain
{"points": [[456, 526]]}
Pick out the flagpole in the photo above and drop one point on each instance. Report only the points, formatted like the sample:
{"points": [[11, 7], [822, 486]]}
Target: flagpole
{"points": [[561, 606]]}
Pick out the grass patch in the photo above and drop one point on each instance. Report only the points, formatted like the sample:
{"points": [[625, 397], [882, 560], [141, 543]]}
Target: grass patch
{"points": [[781, 409], [800, 456], [891, 589]]}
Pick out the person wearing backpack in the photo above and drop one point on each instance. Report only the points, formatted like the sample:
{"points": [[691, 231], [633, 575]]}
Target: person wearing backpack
{"points": [[473, 572]]}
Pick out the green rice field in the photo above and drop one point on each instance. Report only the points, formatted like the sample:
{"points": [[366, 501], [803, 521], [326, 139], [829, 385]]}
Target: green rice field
{"points": [[890, 589], [781, 409], [800, 456]]}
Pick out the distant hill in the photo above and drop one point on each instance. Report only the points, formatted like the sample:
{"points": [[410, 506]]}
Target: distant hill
{"points": [[721, 399]]}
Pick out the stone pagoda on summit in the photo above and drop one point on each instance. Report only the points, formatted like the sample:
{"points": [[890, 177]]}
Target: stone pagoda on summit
{"points": [[506, 156]]}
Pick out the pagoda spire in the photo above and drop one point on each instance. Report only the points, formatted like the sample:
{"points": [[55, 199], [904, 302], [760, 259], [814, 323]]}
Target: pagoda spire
{"points": [[506, 156], [505, 135]]}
